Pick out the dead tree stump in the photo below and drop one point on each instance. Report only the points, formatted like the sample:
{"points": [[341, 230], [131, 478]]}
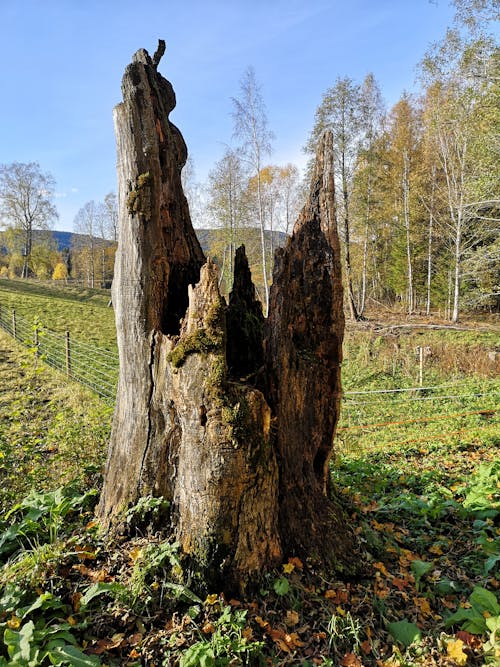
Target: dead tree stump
{"points": [[229, 418]]}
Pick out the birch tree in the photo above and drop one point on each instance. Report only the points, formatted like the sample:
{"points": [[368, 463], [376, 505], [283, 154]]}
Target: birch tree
{"points": [[251, 126], [86, 224], [371, 118], [26, 195], [339, 112], [462, 74], [291, 196], [226, 204]]}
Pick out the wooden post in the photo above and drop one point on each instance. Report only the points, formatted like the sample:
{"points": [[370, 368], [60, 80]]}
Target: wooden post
{"points": [[14, 324], [36, 341], [68, 355], [421, 366]]}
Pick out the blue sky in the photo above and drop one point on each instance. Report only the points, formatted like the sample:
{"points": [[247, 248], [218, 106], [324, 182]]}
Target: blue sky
{"points": [[62, 63]]}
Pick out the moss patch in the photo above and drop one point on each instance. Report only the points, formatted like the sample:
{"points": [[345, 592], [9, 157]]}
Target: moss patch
{"points": [[198, 341], [139, 199]]}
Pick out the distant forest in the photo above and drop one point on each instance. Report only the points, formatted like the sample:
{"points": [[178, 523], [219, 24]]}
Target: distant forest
{"points": [[417, 189]]}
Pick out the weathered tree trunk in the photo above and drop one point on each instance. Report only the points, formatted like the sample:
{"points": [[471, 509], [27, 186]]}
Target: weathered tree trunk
{"points": [[303, 350], [235, 437]]}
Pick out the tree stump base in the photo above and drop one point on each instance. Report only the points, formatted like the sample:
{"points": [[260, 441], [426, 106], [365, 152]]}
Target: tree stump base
{"points": [[227, 416]]}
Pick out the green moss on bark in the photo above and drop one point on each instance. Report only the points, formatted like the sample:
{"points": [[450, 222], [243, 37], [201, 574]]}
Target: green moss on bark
{"points": [[139, 199]]}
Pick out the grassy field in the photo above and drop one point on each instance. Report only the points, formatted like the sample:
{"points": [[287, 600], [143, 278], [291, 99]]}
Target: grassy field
{"points": [[82, 311], [384, 403], [51, 431], [423, 494]]}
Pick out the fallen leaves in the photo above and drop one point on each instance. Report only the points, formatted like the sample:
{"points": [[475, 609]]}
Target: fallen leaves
{"points": [[381, 568], [454, 649], [423, 606], [338, 596], [415, 573], [351, 660], [291, 618], [14, 622], [471, 640], [286, 641], [103, 645]]}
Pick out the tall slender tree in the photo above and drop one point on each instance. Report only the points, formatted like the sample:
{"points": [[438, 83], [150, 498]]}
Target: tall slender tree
{"points": [[251, 126], [291, 196], [371, 120], [110, 211], [339, 112], [86, 224], [403, 155], [226, 204]]}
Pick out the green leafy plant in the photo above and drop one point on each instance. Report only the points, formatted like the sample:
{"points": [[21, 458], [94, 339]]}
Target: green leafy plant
{"points": [[40, 517], [281, 586], [482, 496], [227, 644], [491, 648], [404, 632], [36, 634], [483, 605], [420, 568], [148, 509], [155, 566]]}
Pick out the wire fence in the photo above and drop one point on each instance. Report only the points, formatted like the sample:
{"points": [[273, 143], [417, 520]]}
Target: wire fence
{"points": [[383, 415], [91, 366], [464, 409]]}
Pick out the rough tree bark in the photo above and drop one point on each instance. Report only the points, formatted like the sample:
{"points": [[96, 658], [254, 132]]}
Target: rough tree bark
{"points": [[234, 431], [303, 350]]}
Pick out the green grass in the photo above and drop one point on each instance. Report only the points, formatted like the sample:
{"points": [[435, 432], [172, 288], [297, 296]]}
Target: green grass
{"points": [[459, 397], [424, 515], [423, 494], [459, 363], [51, 430], [82, 311], [45, 312]]}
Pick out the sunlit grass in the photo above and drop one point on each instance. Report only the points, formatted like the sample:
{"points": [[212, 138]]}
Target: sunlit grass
{"points": [[85, 313], [51, 431]]}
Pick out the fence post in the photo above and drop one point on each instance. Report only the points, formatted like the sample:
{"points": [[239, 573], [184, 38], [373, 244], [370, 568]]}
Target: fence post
{"points": [[421, 366], [36, 341], [14, 325], [68, 355]]}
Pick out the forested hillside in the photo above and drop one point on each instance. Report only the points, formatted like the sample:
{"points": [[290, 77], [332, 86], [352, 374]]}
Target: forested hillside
{"points": [[417, 188]]}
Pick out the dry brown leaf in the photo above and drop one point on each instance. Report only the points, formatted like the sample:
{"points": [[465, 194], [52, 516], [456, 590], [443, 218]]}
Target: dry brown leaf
{"points": [[297, 562], [366, 647], [471, 640], [381, 568], [351, 660], [208, 628]]}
